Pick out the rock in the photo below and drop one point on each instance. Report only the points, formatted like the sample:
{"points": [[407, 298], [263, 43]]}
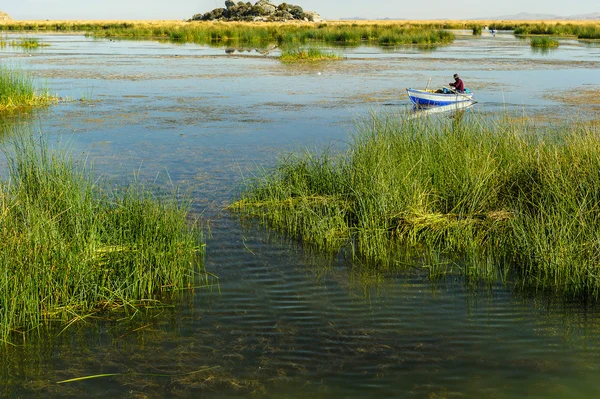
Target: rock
{"points": [[4, 16], [313, 16], [262, 10], [266, 6]]}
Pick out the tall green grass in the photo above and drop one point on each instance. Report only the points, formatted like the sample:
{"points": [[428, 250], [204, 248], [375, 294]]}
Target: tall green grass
{"points": [[70, 245], [487, 198], [17, 90], [26, 43], [248, 33], [310, 54], [544, 42], [581, 31]]}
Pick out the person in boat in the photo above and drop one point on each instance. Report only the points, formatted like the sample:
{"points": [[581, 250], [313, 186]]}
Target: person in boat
{"points": [[458, 84]]}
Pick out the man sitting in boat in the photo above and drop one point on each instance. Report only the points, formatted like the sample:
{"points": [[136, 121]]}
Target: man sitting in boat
{"points": [[458, 84]]}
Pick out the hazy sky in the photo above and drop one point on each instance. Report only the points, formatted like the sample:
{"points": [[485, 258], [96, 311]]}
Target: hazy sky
{"points": [[329, 9]]}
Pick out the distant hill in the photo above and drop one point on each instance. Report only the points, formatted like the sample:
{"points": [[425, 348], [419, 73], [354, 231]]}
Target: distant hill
{"points": [[534, 16], [4, 16]]}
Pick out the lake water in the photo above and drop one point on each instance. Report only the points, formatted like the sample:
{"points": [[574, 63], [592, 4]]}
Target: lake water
{"points": [[286, 322]]}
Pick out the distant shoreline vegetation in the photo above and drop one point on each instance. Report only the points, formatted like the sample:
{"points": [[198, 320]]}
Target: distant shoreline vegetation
{"points": [[254, 33], [298, 33]]}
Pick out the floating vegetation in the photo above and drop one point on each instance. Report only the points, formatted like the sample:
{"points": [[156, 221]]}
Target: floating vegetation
{"points": [[27, 43], [70, 247], [17, 91], [544, 42], [310, 54], [581, 97], [486, 198]]}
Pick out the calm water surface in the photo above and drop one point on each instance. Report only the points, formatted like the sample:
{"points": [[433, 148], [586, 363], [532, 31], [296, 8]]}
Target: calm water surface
{"points": [[285, 322]]}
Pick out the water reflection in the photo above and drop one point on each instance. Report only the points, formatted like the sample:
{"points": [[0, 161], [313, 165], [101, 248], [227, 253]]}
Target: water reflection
{"points": [[451, 110], [266, 50], [543, 50]]}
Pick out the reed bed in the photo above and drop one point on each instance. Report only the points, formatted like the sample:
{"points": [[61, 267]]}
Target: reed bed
{"points": [[252, 33], [17, 91], [544, 42], [581, 31], [490, 199], [27, 43], [310, 54], [70, 246]]}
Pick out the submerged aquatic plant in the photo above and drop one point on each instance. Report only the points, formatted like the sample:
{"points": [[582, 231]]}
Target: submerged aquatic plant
{"points": [[489, 198], [69, 246]]}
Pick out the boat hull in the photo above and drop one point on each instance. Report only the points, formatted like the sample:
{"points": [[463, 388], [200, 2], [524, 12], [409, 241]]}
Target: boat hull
{"points": [[429, 98]]}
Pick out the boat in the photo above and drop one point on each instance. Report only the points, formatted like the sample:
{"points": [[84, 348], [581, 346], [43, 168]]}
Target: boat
{"points": [[436, 98], [451, 109]]}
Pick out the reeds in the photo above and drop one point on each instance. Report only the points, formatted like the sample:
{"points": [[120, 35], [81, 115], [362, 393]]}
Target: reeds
{"points": [[310, 54], [543, 42], [17, 90], [487, 198], [70, 246], [580, 30], [26, 43], [235, 33]]}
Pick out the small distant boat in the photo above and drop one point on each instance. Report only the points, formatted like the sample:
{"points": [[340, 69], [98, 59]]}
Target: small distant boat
{"points": [[433, 98]]}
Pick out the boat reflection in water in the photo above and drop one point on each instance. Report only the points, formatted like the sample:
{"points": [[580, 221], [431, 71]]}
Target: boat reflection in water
{"points": [[450, 109]]}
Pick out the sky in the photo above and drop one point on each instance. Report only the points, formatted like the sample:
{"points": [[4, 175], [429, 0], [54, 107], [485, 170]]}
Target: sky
{"points": [[329, 9]]}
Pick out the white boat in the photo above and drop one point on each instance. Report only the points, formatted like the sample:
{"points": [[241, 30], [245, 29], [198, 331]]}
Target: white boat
{"points": [[436, 98], [451, 109]]}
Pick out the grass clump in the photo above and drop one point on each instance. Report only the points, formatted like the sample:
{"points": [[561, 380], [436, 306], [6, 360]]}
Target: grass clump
{"points": [[26, 43], [487, 198], [310, 54], [69, 247], [544, 42], [17, 91]]}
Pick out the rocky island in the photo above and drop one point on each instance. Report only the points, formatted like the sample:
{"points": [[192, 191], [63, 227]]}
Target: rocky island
{"points": [[4, 16], [261, 11]]}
